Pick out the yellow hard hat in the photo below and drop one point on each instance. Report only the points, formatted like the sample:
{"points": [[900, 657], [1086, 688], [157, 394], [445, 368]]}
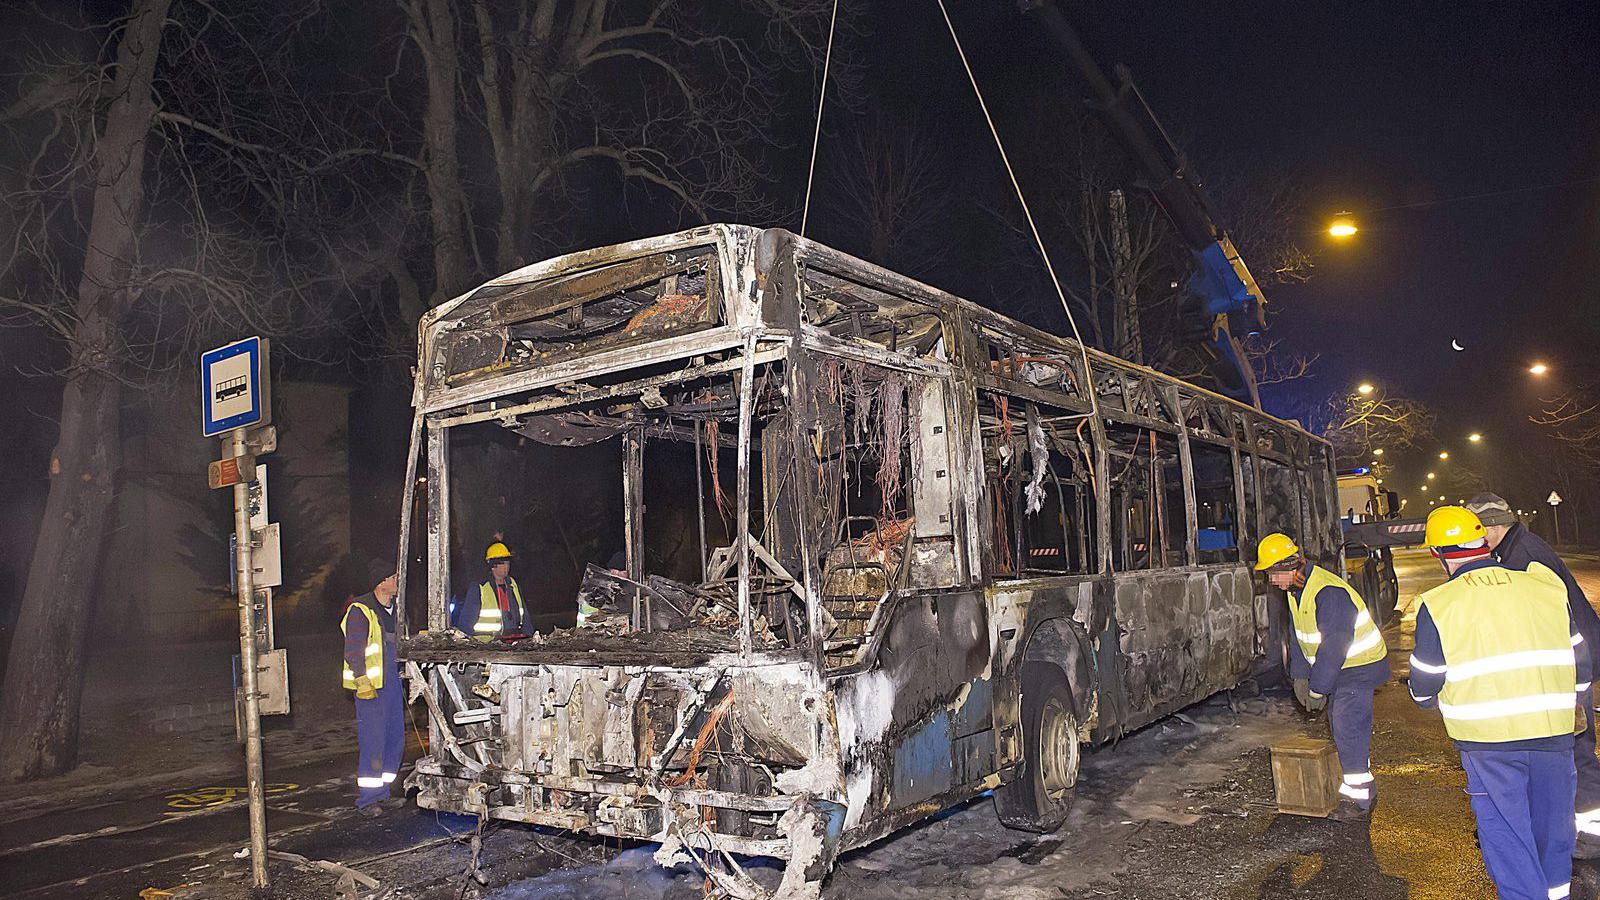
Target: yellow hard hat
{"points": [[1452, 526], [497, 551], [1273, 549]]}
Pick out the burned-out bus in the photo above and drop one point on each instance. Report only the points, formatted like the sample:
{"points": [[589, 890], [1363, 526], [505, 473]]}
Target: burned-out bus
{"points": [[945, 551]]}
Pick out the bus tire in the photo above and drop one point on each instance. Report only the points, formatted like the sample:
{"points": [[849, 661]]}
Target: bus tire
{"points": [[1040, 796]]}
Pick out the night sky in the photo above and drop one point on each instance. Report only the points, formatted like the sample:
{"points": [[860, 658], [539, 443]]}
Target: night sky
{"points": [[1373, 106], [1370, 106]]}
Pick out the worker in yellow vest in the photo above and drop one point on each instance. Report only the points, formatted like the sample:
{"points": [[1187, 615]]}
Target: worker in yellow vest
{"points": [[494, 608], [1498, 654], [372, 670], [1337, 659]]}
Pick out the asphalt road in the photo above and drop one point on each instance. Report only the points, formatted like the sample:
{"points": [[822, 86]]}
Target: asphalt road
{"points": [[1182, 809]]}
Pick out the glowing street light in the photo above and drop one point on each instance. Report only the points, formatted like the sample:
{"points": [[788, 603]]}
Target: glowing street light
{"points": [[1365, 388], [1431, 476], [1538, 368], [1475, 437], [1378, 452], [1444, 454], [1343, 226]]}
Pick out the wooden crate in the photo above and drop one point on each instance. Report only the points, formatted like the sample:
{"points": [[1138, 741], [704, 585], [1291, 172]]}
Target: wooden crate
{"points": [[1305, 771]]}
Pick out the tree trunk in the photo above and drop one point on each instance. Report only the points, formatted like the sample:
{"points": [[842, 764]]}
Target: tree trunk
{"points": [[39, 708], [433, 28]]}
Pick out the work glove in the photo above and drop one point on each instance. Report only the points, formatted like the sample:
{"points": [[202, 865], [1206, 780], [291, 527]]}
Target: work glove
{"points": [[1316, 702], [1302, 692], [364, 688]]}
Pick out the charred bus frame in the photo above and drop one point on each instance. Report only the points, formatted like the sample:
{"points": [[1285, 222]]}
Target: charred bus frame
{"points": [[980, 546]]}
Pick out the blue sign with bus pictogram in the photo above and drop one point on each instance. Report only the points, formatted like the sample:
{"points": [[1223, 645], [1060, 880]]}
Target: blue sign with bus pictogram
{"points": [[233, 387]]}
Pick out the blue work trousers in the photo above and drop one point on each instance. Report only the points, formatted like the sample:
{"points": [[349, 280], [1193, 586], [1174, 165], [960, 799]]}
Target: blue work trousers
{"points": [[1350, 720], [1522, 800], [381, 739]]}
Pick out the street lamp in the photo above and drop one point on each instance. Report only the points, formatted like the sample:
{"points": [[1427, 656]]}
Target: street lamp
{"points": [[1378, 452], [1365, 388], [1444, 454], [1538, 368], [1431, 476], [1343, 226], [1475, 437]]}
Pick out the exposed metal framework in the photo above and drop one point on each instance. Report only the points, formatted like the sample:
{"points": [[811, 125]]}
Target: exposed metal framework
{"points": [[928, 525]]}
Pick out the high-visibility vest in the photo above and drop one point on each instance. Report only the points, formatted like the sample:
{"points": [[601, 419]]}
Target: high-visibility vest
{"points": [[1510, 669], [374, 647], [1366, 644], [487, 628]]}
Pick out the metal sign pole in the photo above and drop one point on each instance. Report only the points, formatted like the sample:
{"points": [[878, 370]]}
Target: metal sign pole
{"points": [[244, 567]]}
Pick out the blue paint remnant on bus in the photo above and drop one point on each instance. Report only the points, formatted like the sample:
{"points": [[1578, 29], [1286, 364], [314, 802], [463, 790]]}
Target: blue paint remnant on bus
{"points": [[922, 762], [976, 714]]}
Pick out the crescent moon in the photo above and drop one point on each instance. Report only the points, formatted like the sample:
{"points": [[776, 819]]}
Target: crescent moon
{"points": [[1456, 345]]}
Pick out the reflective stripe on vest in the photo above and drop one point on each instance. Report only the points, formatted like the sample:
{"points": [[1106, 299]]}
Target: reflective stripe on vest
{"points": [[1510, 669], [1366, 643], [374, 652], [490, 618]]}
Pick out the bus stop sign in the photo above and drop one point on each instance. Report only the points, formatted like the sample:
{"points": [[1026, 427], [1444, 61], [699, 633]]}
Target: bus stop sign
{"points": [[234, 391]]}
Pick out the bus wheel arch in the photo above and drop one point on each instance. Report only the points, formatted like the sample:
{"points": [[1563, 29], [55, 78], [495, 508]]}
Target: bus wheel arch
{"points": [[1061, 643]]}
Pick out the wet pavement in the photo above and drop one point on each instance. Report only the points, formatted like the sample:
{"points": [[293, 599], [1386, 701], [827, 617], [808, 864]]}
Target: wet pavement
{"points": [[1182, 809]]}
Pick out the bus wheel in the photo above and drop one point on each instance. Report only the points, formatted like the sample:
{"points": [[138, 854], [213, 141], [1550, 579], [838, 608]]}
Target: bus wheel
{"points": [[1040, 796]]}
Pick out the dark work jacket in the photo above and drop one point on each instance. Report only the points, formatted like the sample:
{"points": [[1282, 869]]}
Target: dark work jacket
{"points": [[1520, 547], [1336, 621]]}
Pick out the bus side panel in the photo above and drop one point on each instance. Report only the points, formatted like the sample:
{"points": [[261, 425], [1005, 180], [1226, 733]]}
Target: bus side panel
{"points": [[1185, 636]]}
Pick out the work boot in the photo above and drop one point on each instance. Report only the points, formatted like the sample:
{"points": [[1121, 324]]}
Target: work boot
{"points": [[1350, 811], [371, 810]]}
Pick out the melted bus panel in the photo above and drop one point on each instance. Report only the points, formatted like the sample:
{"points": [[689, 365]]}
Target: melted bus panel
{"points": [[932, 552]]}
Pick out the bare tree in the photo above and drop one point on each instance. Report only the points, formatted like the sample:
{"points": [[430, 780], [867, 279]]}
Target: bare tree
{"points": [[887, 195], [1274, 363], [136, 232], [1573, 420], [1356, 424], [1265, 215], [675, 97], [39, 707]]}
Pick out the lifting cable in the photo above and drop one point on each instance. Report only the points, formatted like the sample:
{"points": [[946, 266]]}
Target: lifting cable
{"points": [[1089, 388], [816, 134]]}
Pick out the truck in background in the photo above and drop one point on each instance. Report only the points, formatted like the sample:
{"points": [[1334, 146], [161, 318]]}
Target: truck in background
{"points": [[1370, 518]]}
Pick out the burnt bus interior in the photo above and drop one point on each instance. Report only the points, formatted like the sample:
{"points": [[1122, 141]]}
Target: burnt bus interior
{"points": [[815, 467]]}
